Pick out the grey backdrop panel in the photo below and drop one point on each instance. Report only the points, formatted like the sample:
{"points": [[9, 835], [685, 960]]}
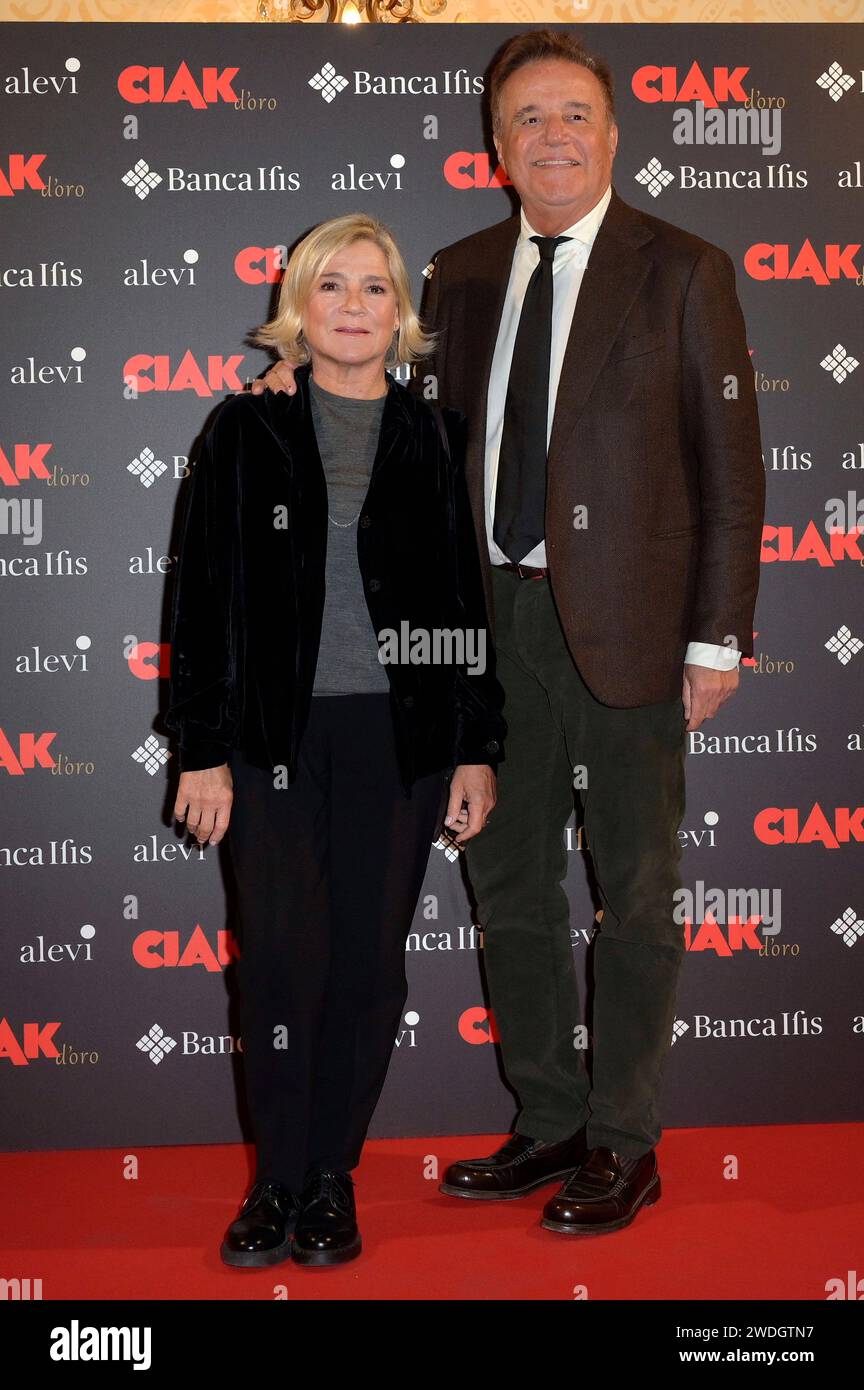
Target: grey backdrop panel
{"points": [[99, 899]]}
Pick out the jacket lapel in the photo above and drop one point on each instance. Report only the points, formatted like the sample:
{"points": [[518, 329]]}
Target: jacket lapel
{"points": [[290, 420], [615, 270], [396, 426]]}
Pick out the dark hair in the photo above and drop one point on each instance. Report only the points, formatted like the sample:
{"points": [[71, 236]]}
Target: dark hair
{"points": [[533, 48]]}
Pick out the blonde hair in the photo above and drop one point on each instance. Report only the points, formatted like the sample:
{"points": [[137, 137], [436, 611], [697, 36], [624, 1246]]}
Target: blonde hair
{"points": [[284, 331]]}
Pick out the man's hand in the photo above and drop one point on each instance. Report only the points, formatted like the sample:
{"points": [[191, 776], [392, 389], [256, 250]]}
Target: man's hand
{"points": [[474, 783], [279, 378], [705, 690], [204, 802]]}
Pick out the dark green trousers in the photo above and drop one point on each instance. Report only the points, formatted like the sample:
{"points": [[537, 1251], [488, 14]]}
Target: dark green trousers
{"points": [[633, 799]]}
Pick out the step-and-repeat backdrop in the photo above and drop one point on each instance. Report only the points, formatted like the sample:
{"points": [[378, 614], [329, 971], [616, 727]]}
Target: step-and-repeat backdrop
{"points": [[151, 179]]}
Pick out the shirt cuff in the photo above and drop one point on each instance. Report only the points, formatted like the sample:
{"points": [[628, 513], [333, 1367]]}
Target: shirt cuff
{"points": [[707, 654]]}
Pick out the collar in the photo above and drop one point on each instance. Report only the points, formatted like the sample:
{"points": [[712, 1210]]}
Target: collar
{"points": [[396, 402], [583, 231], [290, 417]]}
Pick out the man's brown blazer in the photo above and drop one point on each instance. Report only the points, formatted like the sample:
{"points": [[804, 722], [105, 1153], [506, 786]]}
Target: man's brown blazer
{"points": [[655, 435]]}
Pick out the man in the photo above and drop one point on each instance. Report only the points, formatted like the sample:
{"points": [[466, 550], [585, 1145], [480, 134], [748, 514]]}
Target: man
{"points": [[617, 489]]}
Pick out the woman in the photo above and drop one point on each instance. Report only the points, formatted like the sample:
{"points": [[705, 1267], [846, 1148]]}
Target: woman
{"points": [[318, 526]]}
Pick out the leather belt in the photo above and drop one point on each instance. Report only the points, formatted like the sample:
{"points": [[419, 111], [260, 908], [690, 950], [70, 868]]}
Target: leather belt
{"points": [[526, 571]]}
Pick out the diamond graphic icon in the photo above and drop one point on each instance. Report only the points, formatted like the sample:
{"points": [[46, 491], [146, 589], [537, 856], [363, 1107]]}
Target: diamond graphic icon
{"points": [[156, 1044], [843, 645], [328, 82], [848, 927], [151, 754], [654, 177], [142, 179], [146, 467], [839, 362], [835, 81]]}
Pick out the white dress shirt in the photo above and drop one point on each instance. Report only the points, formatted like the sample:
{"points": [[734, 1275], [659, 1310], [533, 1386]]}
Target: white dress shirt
{"points": [[571, 257]]}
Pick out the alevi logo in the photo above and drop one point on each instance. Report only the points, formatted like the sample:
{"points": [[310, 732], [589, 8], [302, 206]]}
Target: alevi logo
{"points": [[58, 952], [43, 84], [36, 1040], [477, 1025], [409, 1032]]}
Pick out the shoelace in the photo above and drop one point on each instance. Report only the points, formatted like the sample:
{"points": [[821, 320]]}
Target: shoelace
{"points": [[331, 1187], [277, 1192]]}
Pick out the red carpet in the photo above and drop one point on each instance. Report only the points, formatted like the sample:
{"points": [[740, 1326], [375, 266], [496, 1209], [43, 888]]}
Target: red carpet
{"points": [[791, 1221]]}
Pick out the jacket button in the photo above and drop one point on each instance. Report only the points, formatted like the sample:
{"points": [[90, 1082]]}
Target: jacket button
{"points": [[365, 521], [408, 702], [492, 746], [374, 585]]}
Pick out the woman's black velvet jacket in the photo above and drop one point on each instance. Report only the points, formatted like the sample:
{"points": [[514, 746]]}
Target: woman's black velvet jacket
{"points": [[249, 585]]}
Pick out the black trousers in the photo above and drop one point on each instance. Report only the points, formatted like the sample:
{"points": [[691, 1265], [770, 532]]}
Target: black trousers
{"points": [[329, 869]]}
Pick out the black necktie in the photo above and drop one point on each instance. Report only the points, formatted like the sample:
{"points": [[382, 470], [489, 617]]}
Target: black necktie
{"points": [[520, 493]]}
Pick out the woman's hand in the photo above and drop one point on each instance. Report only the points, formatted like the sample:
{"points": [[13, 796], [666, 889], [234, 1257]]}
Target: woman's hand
{"points": [[204, 802], [474, 783], [279, 378]]}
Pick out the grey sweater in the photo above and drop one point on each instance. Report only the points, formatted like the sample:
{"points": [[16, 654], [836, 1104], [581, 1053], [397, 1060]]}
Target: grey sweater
{"points": [[347, 432]]}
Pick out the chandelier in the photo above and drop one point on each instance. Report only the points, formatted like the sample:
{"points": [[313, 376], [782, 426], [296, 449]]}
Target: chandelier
{"points": [[349, 11]]}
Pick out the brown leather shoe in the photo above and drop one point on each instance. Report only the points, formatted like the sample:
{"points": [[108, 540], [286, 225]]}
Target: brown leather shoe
{"points": [[604, 1194], [520, 1165]]}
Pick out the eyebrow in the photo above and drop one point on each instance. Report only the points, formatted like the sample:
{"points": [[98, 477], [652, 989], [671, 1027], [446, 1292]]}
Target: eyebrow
{"points": [[578, 105], [340, 274]]}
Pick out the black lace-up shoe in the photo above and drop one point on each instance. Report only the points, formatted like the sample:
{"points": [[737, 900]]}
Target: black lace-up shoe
{"points": [[262, 1233], [520, 1165], [604, 1194], [326, 1232]]}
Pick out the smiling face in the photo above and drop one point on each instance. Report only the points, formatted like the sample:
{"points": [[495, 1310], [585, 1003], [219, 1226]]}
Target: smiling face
{"points": [[555, 141], [351, 311]]}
